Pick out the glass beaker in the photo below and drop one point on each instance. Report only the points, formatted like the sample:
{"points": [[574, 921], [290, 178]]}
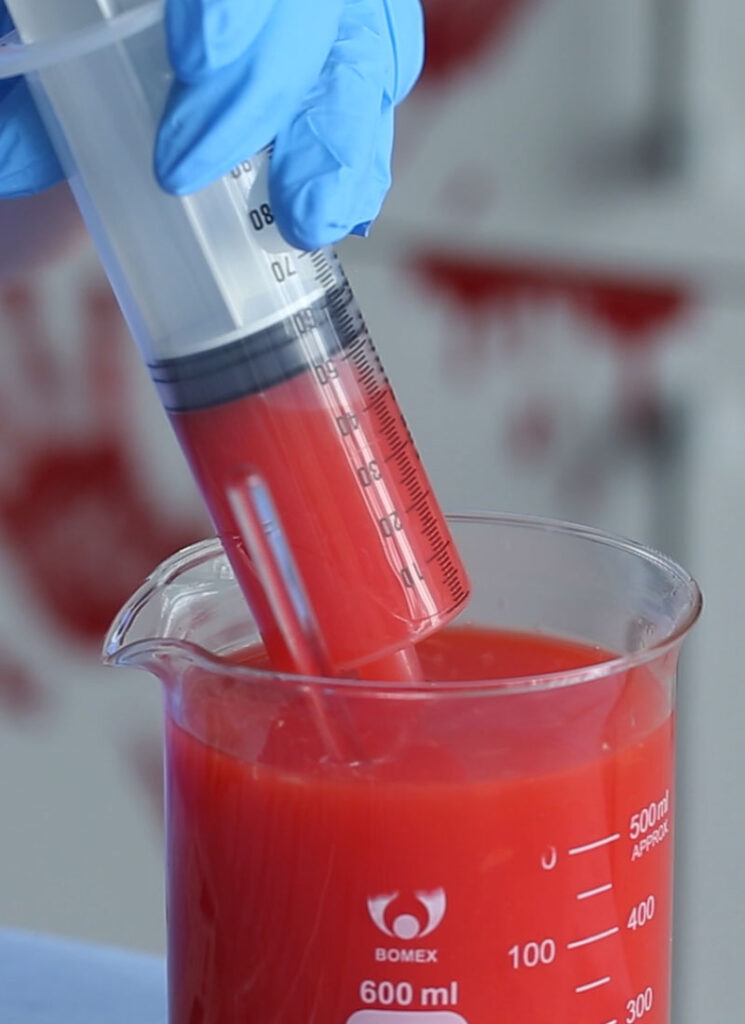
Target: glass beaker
{"points": [[492, 844]]}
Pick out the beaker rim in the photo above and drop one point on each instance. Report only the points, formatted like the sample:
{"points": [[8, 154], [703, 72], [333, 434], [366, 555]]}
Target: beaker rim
{"points": [[17, 58], [211, 549]]}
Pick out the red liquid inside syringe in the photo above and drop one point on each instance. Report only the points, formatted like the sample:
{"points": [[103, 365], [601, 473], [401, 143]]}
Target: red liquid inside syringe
{"points": [[327, 444]]}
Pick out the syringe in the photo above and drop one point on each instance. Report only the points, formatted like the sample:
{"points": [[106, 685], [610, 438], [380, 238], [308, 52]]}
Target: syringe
{"points": [[261, 359], [298, 445]]}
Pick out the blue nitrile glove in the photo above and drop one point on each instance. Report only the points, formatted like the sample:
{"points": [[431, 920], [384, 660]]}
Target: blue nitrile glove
{"points": [[27, 161], [321, 77]]}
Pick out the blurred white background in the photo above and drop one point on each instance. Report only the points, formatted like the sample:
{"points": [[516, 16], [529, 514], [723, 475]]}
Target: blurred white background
{"points": [[557, 289]]}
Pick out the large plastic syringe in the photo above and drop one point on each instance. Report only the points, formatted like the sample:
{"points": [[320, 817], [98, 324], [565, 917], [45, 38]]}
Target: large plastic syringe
{"points": [[260, 356]]}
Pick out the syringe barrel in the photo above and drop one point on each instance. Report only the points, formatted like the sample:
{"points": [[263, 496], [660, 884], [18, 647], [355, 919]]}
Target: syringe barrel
{"points": [[328, 447], [190, 272]]}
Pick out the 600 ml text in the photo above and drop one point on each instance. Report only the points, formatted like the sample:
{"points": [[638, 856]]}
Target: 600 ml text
{"points": [[403, 993]]}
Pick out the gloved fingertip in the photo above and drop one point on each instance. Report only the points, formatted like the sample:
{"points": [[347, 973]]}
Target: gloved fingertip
{"points": [[307, 236], [25, 174], [181, 178], [174, 184], [168, 172], [28, 163], [27, 182], [363, 229], [176, 161], [184, 163], [207, 129], [327, 208]]}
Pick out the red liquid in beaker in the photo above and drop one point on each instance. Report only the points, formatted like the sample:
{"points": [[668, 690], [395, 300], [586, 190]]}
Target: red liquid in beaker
{"points": [[488, 858]]}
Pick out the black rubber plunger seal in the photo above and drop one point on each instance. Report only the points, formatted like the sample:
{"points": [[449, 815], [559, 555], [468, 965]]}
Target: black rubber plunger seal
{"points": [[261, 360]]}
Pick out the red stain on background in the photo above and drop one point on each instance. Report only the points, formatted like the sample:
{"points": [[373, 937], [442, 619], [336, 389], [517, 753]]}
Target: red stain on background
{"points": [[85, 535], [22, 695], [532, 431], [74, 513], [628, 314], [631, 312], [460, 32]]}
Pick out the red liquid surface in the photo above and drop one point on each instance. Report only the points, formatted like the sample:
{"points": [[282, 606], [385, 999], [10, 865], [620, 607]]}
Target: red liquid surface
{"points": [[485, 859]]}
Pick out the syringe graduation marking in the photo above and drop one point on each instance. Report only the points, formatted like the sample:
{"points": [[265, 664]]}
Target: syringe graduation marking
{"points": [[374, 384]]}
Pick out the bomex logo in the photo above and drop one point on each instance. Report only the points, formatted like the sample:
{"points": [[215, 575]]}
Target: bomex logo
{"points": [[405, 925]]}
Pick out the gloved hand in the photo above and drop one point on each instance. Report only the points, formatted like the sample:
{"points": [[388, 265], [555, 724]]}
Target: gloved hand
{"points": [[320, 77]]}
